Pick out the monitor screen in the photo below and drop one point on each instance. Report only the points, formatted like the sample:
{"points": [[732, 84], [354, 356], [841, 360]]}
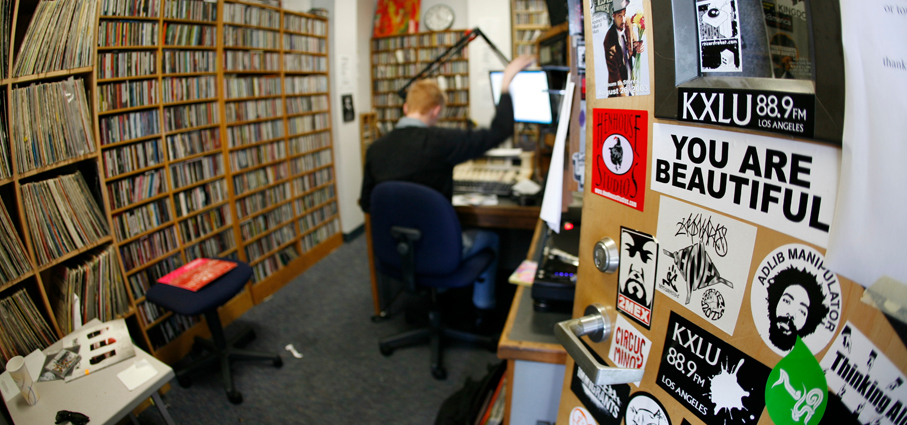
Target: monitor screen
{"points": [[529, 90]]}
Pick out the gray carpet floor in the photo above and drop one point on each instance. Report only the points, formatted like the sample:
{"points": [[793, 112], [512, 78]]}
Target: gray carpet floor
{"points": [[342, 378]]}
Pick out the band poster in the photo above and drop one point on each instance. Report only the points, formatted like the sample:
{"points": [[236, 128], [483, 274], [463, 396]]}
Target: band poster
{"points": [[619, 44], [719, 36]]}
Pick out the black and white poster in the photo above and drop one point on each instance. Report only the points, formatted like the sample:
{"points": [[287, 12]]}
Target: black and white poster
{"points": [[719, 36], [636, 278], [349, 113], [794, 294], [717, 382], [781, 184], [644, 409], [704, 261], [867, 382], [606, 403]]}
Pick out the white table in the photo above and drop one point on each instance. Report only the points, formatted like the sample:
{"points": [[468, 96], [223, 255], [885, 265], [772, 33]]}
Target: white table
{"points": [[101, 396]]}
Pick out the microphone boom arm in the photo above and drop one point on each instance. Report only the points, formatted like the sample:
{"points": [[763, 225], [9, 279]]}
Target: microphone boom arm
{"points": [[448, 54]]}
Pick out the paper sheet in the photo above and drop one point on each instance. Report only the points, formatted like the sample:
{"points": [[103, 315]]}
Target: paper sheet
{"points": [[867, 237], [137, 374], [554, 188]]}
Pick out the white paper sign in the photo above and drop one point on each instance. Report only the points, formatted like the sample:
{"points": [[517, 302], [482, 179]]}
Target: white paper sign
{"points": [[782, 184], [629, 348], [868, 384], [703, 261], [867, 240]]}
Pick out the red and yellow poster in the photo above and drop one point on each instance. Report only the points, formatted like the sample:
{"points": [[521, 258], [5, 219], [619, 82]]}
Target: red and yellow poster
{"points": [[620, 150], [395, 17]]}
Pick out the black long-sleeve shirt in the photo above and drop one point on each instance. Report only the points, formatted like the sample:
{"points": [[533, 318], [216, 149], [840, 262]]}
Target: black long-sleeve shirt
{"points": [[427, 155]]}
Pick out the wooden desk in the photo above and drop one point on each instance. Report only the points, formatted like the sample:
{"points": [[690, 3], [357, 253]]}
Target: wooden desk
{"points": [[504, 216], [534, 356]]}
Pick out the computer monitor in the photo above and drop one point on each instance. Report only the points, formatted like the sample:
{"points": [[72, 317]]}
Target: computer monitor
{"points": [[531, 99]]}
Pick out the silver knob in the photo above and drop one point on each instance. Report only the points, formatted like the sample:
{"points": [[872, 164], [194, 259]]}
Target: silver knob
{"points": [[597, 325], [605, 255]]}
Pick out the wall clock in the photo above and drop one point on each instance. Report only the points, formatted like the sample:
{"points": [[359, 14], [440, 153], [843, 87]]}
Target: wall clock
{"points": [[438, 17]]}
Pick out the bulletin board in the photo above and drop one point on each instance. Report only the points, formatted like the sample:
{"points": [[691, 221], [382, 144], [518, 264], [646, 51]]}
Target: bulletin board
{"points": [[722, 294]]}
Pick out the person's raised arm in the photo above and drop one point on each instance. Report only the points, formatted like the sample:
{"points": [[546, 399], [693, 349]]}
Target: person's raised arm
{"points": [[515, 66]]}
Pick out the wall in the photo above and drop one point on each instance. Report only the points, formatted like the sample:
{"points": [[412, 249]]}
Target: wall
{"points": [[493, 18]]}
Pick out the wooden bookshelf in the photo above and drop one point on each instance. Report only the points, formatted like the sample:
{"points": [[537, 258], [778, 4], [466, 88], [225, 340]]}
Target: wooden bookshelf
{"points": [[529, 21], [396, 59], [184, 147]]}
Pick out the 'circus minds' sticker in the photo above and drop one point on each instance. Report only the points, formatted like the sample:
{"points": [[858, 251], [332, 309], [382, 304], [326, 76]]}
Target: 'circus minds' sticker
{"points": [[711, 378], [629, 347], [643, 409], [794, 294], [704, 261]]}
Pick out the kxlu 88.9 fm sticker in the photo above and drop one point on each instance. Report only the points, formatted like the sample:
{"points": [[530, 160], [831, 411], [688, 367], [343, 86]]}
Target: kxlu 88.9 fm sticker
{"points": [[717, 382]]}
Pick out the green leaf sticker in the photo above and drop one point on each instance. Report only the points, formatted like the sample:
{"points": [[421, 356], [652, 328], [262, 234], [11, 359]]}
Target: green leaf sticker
{"points": [[796, 391]]}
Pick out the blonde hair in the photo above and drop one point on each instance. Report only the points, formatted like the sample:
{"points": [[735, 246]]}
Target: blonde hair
{"points": [[424, 95]]}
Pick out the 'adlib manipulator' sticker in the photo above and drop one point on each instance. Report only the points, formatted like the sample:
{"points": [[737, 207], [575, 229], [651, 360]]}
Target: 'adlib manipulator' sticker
{"points": [[794, 294]]}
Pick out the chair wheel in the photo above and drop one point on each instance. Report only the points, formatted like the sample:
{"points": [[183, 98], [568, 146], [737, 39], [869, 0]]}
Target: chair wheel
{"points": [[439, 373], [278, 362], [385, 350], [184, 381], [235, 397]]}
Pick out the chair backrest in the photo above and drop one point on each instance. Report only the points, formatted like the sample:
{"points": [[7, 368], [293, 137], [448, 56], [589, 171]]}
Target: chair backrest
{"points": [[411, 205]]}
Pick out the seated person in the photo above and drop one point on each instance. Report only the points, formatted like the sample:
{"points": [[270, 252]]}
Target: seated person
{"points": [[418, 152]]}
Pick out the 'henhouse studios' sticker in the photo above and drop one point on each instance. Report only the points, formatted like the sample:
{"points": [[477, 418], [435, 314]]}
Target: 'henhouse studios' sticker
{"points": [[704, 261], [717, 382], [620, 146], [793, 294], [636, 279]]}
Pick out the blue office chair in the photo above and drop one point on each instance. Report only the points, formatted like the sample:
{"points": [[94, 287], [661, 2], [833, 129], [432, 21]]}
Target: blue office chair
{"points": [[220, 351], [416, 238]]}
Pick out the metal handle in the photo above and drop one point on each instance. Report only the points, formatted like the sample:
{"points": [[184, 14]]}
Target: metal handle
{"points": [[597, 325]]}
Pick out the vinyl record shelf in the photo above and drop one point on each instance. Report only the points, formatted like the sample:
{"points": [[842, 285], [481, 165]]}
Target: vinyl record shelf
{"points": [[212, 131]]}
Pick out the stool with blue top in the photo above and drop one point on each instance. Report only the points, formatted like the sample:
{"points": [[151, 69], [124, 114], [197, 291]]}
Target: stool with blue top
{"points": [[206, 301]]}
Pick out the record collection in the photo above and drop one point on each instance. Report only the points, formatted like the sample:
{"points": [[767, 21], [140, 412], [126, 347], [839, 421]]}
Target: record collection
{"points": [[60, 36], [90, 289], [62, 216], [50, 122], [13, 259], [22, 327]]}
